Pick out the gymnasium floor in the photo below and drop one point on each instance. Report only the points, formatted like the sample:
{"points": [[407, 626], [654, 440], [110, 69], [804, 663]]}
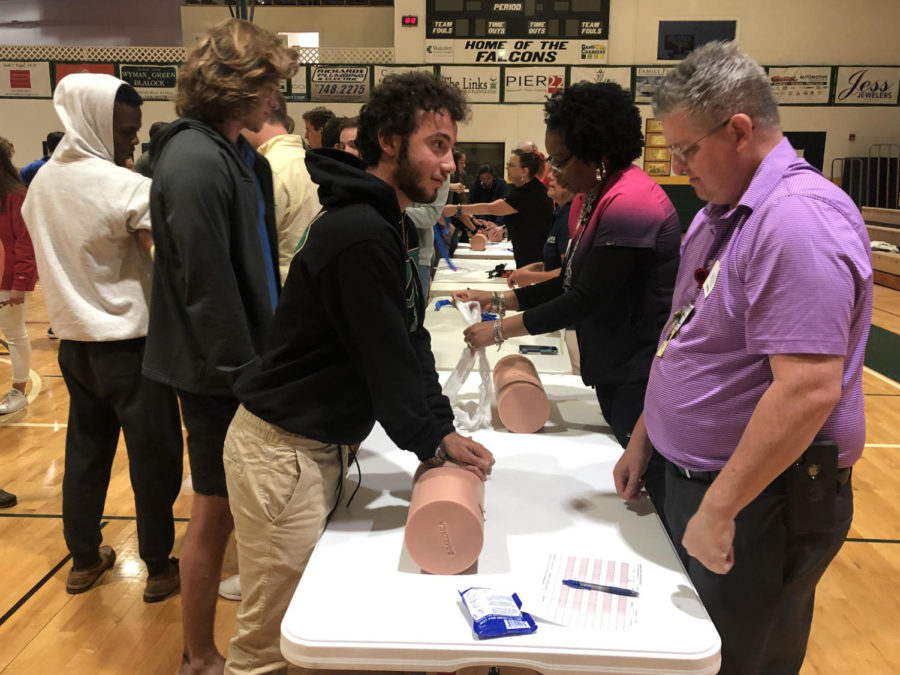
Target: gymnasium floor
{"points": [[109, 629]]}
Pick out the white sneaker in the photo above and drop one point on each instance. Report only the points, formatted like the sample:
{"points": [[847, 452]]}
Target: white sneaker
{"points": [[13, 401], [230, 589]]}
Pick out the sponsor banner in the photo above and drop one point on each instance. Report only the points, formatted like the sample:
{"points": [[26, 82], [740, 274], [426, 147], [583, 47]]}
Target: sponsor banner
{"points": [[863, 85], [339, 83], [800, 84], [532, 85], [294, 89], [619, 75], [382, 72], [153, 81], [63, 69], [28, 79], [530, 51], [646, 79], [480, 84]]}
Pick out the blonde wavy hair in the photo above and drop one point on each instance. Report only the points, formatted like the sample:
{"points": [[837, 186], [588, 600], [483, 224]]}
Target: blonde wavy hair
{"points": [[222, 75]]}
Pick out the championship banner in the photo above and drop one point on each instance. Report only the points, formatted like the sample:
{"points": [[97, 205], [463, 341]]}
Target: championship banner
{"points": [[25, 79], [862, 85], [60, 70], [153, 81], [339, 83], [646, 79], [800, 84], [480, 84], [532, 85], [619, 75], [525, 32], [382, 72]]}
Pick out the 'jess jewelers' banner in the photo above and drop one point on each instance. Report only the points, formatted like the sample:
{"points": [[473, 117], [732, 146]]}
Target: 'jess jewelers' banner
{"points": [[864, 85]]}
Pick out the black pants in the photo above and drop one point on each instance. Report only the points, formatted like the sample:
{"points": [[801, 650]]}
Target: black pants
{"points": [[763, 607], [622, 405], [107, 393]]}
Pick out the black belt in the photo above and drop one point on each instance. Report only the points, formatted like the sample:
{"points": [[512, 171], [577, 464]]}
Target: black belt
{"points": [[843, 475]]}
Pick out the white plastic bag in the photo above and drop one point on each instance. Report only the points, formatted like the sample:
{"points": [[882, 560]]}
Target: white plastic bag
{"points": [[471, 416]]}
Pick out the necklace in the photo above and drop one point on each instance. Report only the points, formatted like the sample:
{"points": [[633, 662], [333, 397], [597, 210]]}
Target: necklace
{"points": [[584, 217]]}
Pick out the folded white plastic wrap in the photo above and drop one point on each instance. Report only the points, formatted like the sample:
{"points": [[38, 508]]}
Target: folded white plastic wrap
{"points": [[471, 415]]}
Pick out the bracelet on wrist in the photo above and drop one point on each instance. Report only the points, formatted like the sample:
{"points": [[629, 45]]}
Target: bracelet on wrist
{"points": [[459, 211], [498, 303], [498, 333]]}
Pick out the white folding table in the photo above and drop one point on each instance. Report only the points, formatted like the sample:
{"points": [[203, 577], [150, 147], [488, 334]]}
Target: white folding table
{"points": [[363, 604], [495, 250]]}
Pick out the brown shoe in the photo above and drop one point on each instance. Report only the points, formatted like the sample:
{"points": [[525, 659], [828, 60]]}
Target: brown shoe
{"points": [[81, 580], [161, 586]]}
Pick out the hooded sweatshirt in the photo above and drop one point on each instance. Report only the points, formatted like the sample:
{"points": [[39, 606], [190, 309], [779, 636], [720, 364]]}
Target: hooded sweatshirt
{"points": [[347, 346], [83, 213], [212, 303]]}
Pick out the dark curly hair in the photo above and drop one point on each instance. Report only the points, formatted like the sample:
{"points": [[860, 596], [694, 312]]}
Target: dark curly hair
{"points": [[394, 106], [596, 120]]}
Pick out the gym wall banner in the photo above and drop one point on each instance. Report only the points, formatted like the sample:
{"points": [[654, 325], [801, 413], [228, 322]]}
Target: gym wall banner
{"points": [[294, 90], [532, 85], [339, 83], [866, 85], [153, 81], [526, 32], [646, 79], [619, 75], [480, 84], [60, 70], [382, 72], [25, 79], [797, 85]]}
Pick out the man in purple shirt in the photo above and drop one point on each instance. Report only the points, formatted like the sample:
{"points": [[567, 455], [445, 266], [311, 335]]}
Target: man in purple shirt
{"points": [[755, 395]]}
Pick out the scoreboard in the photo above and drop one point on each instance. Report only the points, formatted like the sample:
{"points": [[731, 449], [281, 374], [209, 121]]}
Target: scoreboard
{"points": [[523, 31]]}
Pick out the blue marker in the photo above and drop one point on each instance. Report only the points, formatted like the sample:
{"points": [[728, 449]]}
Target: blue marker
{"points": [[585, 586]]}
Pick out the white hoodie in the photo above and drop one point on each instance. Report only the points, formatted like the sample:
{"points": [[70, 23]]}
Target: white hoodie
{"points": [[83, 212]]}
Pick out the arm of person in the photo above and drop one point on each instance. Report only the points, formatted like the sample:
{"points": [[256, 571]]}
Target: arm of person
{"points": [[372, 325], [804, 390], [531, 274], [499, 207], [145, 237], [633, 463], [24, 265]]}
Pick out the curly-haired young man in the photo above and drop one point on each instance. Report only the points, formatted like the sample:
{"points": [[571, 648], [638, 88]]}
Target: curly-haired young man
{"points": [[347, 348], [215, 282]]}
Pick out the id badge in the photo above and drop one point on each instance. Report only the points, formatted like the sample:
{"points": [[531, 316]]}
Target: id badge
{"points": [[678, 320], [711, 280]]}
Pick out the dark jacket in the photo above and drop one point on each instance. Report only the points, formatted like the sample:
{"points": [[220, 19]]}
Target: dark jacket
{"points": [[210, 307], [347, 345]]}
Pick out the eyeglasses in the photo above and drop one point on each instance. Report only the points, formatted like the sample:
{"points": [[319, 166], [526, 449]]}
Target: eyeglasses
{"points": [[683, 154], [556, 165]]}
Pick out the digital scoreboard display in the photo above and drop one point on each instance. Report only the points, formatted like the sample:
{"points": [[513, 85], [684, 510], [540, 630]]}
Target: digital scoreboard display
{"points": [[522, 20]]}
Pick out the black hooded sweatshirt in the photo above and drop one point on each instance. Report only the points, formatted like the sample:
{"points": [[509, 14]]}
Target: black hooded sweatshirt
{"points": [[347, 345]]}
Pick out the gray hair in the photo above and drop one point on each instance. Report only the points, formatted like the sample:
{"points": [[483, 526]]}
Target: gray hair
{"points": [[715, 82]]}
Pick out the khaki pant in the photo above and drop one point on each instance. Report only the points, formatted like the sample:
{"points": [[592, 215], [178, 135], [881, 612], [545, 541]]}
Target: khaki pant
{"points": [[281, 487]]}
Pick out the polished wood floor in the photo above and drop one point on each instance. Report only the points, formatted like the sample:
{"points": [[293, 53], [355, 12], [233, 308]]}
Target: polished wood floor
{"points": [[109, 629]]}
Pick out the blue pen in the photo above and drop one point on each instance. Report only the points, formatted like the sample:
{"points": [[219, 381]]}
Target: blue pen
{"points": [[585, 586]]}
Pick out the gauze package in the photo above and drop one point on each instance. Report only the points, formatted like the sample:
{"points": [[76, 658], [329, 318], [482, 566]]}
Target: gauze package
{"points": [[495, 614]]}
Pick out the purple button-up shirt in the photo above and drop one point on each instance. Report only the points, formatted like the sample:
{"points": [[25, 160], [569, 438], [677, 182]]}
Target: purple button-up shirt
{"points": [[795, 277]]}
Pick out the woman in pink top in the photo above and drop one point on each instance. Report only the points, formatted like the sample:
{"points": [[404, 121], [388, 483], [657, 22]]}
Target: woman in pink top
{"points": [[18, 278]]}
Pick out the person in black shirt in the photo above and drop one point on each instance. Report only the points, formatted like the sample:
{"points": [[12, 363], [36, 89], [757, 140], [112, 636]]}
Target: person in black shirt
{"points": [[619, 271], [527, 210], [347, 349]]}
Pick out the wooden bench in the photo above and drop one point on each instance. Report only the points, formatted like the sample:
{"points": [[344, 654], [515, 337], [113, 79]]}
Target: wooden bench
{"points": [[884, 225]]}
